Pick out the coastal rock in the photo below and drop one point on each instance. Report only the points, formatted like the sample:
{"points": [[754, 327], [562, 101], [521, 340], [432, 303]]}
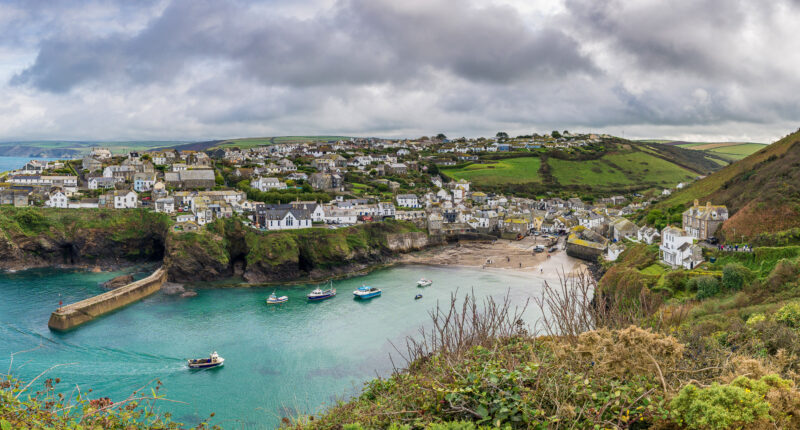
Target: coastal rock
{"points": [[171, 288], [189, 294], [116, 282]]}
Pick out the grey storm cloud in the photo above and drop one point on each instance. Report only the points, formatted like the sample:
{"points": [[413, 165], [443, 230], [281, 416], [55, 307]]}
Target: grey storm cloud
{"points": [[223, 68], [358, 42]]}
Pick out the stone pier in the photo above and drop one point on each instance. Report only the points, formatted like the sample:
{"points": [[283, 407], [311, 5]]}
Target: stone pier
{"points": [[75, 314]]}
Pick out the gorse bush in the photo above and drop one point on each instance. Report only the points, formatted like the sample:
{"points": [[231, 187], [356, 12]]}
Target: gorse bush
{"points": [[789, 315], [720, 407]]}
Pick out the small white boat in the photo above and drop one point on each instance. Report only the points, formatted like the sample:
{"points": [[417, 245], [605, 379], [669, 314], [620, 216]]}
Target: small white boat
{"points": [[214, 360], [273, 299], [424, 282]]}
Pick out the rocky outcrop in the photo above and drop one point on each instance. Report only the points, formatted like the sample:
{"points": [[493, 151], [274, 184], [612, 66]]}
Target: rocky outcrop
{"points": [[301, 255], [117, 282], [51, 238]]}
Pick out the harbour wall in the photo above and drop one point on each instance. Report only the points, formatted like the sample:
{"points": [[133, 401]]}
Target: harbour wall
{"points": [[77, 313]]}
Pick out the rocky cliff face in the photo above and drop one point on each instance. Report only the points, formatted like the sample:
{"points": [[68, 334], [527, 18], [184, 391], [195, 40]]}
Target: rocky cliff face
{"points": [[228, 248], [30, 239], [225, 248]]}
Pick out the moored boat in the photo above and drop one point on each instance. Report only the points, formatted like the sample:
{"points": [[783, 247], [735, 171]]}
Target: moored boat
{"points": [[273, 299], [214, 360], [365, 292], [424, 282], [320, 294], [418, 296]]}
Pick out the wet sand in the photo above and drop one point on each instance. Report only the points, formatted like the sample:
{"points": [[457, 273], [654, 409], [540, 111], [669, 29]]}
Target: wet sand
{"points": [[518, 256]]}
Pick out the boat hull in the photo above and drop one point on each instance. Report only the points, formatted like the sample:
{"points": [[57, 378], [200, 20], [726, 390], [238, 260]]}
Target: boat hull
{"points": [[205, 366], [318, 298], [277, 301], [367, 296]]}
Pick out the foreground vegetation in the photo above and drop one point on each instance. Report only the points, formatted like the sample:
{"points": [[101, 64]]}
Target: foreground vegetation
{"points": [[712, 348]]}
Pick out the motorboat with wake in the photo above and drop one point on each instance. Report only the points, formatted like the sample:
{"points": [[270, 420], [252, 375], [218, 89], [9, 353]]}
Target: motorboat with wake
{"points": [[214, 360], [424, 282], [364, 292]]}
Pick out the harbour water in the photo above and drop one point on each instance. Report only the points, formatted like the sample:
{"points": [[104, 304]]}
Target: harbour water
{"points": [[280, 360]]}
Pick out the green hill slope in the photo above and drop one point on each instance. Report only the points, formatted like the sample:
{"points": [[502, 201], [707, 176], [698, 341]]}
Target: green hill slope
{"points": [[762, 191], [620, 166]]}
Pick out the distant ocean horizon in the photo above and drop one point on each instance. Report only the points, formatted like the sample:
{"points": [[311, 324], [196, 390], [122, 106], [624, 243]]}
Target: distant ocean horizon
{"points": [[11, 163]]}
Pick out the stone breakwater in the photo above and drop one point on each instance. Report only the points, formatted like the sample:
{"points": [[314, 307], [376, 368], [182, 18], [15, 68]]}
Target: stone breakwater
{"points": [[75, 314]]}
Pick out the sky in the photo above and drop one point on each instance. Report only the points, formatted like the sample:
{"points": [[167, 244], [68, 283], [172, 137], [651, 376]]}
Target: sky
{"points": [[707, 70]]}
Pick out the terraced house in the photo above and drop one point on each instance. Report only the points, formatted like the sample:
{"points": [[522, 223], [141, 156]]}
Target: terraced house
{"points": [[701, 222]]}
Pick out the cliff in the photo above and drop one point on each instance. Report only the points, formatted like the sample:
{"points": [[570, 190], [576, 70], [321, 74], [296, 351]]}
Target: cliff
{"points": [[33, 237], [36, 237], [228, 248]]}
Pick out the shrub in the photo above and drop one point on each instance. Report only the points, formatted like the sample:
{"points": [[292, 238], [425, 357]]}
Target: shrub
{"points": [[784, 273], [789, 315], [735, 276], [706, 286], [676, 280], [722, 406], [755, 319]]}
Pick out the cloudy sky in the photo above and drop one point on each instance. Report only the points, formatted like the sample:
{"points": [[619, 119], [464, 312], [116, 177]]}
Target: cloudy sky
{"points": [[204, 69]]}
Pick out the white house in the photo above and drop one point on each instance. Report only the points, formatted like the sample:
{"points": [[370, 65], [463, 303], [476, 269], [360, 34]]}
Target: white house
{"points": [[647, 235], [408, 201], [185, 218], [287, 219], [266, 184], [57, 200], [125, 200], [334, 215], [165, 205], [678, 248], [101, 182]]}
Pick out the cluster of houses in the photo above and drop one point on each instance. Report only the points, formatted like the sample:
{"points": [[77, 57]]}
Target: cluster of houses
{"points": [[186, 185]]}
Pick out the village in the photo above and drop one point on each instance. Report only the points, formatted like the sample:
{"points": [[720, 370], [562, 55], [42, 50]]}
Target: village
{"points": [[325, 185]]}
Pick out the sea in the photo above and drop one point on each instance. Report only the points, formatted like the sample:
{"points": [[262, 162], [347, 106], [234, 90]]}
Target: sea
{"points": [[280, 360], [11, 163]]}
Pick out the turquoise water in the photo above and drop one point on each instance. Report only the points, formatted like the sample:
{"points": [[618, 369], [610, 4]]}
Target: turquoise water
{"points": [[279, 359], [11, 163]]}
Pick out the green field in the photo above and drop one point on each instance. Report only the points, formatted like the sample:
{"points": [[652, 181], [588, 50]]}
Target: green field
{"points": [[509, 171], [619, 169], [737, 152]]}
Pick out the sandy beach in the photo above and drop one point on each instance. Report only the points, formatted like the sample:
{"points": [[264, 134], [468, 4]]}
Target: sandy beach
{"points": [[501, 254]]}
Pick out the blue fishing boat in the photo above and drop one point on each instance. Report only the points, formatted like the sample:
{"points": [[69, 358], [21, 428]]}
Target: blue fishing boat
{"points": [[273, 299], [206, 363], [320, 294], [364, 292], [418, 296]]}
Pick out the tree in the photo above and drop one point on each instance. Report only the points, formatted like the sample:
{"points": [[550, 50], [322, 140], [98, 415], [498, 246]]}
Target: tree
{"points": [[441, 136], [501, 135], [555, 134]]}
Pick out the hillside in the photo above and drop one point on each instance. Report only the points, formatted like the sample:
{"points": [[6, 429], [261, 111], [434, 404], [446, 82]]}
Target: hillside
{"points": [[251, 142], [618, 166], [761, 191], [71, 149]]}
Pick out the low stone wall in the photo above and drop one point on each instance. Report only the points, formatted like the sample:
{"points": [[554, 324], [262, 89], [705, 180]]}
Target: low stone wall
{"points": [[75, 314]]}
